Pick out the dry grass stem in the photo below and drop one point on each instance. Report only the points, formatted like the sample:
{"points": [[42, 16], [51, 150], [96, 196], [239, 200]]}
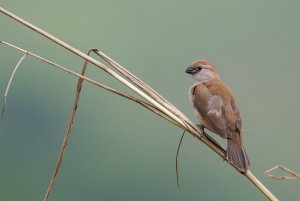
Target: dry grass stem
{"points": [[294, 174], [9, 83], [150, 98], [177, 155], [68, 131]]}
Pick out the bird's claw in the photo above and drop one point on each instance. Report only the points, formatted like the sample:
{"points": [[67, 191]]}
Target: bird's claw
{"points": [[201, 127]]}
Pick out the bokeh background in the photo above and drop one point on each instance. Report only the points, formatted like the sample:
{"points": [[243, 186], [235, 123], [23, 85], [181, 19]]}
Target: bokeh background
{"points": [[120, 151]]}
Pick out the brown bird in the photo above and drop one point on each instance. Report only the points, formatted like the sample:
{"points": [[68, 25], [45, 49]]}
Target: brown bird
{"points": [[215, 106]]}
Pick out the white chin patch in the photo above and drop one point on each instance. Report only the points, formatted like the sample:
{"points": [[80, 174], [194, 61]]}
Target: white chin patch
{"points": [[200, 77]]}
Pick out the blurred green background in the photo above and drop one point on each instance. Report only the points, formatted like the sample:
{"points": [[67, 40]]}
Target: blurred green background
{"points": [[120, 151]]}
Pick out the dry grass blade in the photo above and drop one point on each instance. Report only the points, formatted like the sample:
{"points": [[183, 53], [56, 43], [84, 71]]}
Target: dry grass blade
{"points": [[9, 83], [130, 76], [146, 88], [68, 131], [177, 154], [294, 174]]}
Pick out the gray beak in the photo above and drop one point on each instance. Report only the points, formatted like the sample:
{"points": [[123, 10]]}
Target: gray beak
{"points": [[191, 70]]}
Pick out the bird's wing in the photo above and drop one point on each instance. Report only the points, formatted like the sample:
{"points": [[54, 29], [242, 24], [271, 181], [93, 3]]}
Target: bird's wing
{"points": [[233, 117], [224, 116], [210, 108], [217, 117]]}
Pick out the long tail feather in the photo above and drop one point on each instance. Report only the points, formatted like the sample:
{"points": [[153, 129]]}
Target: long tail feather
{"points": [[237, 154]]}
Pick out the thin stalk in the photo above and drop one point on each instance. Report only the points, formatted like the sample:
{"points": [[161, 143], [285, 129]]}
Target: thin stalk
{"points": [[291, 172], [9, 83], [260, 186], [68, 131], [177, 155]]}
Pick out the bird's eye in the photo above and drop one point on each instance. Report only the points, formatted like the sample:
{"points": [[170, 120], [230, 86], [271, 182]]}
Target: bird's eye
{"points": [[199, 68]]}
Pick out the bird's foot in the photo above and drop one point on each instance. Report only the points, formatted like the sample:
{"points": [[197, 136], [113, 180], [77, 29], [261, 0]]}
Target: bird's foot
{"points": [[201, 127], [225, 157]]}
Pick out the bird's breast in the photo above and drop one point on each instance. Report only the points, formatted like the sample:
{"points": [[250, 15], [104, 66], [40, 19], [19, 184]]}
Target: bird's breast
{"points": [[199, 97]]}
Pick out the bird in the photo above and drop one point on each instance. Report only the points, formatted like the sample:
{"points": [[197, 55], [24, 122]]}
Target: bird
{"points": [[215, 106]]}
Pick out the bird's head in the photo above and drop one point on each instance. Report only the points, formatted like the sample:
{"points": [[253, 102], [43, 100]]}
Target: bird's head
{"points": [[202, 70]]}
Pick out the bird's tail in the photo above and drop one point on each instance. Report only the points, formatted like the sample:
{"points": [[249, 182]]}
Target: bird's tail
{"points": [[237, 154]]}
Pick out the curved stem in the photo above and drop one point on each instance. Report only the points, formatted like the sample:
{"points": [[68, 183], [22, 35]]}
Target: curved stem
{"points": [[9, 83], [177, 154]]}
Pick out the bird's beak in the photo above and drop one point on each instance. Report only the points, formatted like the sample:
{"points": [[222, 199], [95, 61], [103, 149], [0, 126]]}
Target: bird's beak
{"points": [[190, 70]]}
